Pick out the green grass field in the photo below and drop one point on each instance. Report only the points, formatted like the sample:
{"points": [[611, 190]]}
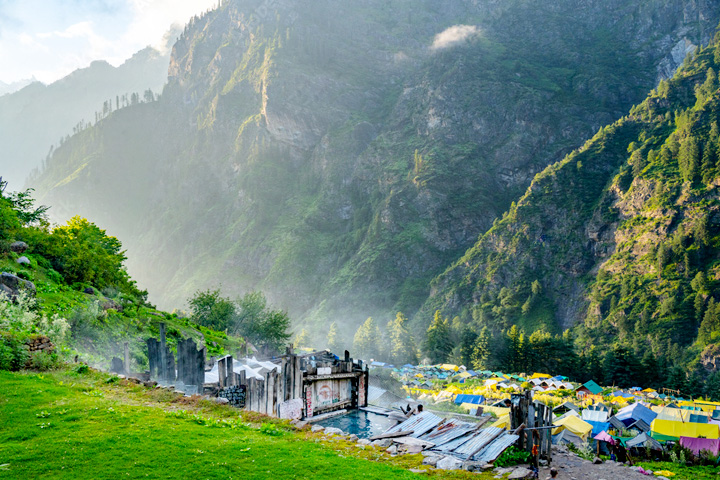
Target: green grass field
{"points": [[68, 425]]}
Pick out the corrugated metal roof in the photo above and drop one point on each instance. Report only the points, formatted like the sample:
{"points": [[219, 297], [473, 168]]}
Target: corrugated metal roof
{"points": [[483, 437], [493, 451], [419, 424], [448, 431], [374, 393], [453, 444]]}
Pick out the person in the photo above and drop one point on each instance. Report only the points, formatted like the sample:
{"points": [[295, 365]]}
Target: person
{"points": [[553, 473]]}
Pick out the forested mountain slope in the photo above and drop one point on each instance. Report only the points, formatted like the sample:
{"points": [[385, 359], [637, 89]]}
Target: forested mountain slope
{"points": [[38, 117], [620, 240], [340, 155]]}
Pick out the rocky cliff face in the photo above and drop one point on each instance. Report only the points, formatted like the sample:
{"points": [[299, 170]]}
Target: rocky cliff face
{"points": [[340, 156]]}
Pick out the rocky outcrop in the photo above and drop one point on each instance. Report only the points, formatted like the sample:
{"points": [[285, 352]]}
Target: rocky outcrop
{"points": [[11, 285], [710, 358]]}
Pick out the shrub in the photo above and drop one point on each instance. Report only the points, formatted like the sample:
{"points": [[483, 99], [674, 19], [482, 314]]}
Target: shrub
{"points": [[13, 352], [43, 361], [513, 456]]}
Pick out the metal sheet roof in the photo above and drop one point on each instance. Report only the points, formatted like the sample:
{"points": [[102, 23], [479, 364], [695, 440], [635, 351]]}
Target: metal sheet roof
{"points": [[493, 451], [448, 431], [419, 424], [483, 436]]}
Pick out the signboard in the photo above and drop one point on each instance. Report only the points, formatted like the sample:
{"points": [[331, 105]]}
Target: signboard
{"points": [[327, 393], [308, 402], [291, 409]]}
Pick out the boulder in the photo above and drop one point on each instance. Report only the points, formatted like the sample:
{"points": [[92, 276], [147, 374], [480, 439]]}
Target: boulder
{"points": [[597, 461], [317, 428], [471, 466], [23, 260], [521, 472], [18, 247], [353, 438], [382, 443], [89, 291], [449, 463], [111, 304], [333, 431], [221, 400], [15, 284], [392, 449], [431, 460], [363, 441]]}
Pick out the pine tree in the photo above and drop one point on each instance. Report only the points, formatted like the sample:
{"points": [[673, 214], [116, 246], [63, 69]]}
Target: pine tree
{"points": [[366, 342], [689, 158], [302, 339], [481, 352], [710, 324], [333, 343], [402, 343], [438, 344]]}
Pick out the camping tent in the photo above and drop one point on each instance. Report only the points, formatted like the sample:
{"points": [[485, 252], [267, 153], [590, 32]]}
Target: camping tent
{"points": [[594, 415], [589, 388], [575, 424], [465, 398], [644, 440], [670, 430], [633, 413]]}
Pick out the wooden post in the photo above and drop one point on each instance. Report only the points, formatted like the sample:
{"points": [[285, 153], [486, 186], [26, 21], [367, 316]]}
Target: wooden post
{"points": [[127, 358], [163, 358], [222, 372]]}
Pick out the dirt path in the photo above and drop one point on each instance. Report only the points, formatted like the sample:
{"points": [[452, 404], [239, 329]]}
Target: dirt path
{"points": [[572, 467]]}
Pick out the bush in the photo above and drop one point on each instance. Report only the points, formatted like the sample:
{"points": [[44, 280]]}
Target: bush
{"points": [[513, 456], [13, 352], [43, 361]]}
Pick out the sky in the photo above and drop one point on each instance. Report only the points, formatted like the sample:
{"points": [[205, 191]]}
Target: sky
{"points": [[48, 39]]}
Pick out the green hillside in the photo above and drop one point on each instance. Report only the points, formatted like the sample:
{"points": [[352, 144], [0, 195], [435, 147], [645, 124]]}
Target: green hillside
{"points": [[79, 294], [620, 242]]}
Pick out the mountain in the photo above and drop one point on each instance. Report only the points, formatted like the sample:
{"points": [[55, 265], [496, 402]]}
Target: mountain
{"points": [[11, 87], [37, 118], [620, 240], [340, 156]]}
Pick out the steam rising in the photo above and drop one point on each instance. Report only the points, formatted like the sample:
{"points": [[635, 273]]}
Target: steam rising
{"points": [[454, 35]]}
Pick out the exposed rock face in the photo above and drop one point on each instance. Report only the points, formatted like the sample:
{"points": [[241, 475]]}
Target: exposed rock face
{"points": [[350, 152], [19, 247], [710, 358], [12, 285]]}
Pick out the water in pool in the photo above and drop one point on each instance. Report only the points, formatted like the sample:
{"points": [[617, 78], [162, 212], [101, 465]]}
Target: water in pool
{"points": [[363, 424]]}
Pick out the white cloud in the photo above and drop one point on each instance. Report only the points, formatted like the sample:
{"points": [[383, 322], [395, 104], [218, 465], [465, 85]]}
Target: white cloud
{"points": [[51, 38], [454, 35]]}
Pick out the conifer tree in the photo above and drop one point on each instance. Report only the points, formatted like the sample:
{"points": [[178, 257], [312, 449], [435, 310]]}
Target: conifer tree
{"points": [[438, 343], [366, 342], [710, 324], [333, 343], [481, 352], [402, 343]]}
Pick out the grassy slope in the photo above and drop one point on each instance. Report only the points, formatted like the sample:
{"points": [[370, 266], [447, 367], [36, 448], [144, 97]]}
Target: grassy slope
{"points": [[68, 425]]}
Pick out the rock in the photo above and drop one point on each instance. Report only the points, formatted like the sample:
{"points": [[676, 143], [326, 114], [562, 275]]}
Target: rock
{"points": [[382, 443], [503, 471], [363, 441], [333, 431], [392, 449], [471, 466], [418, 470], [597, 461], [521, 472], [449, 463], [543, 463], [431, 460], [317, 428], [15, 284], [353, 438], [111, 304], [23, 260], [19, 247], [221, 400], [89, 291]]}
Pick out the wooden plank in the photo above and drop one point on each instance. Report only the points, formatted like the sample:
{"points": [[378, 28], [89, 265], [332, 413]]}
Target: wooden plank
{"points": [[335, 376], [392, 435]]}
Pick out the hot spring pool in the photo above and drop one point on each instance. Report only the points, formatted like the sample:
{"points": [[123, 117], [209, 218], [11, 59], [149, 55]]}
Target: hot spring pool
{"points": [[363, 424]]}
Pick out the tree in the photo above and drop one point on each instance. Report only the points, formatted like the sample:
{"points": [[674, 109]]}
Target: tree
{"points": [[438, 343], [265, 328], [402, 343], [515, 355], [710, 326], [481, 352], [689, 158], [211, 310], [332, 340], [366, 342], [302, 339]]}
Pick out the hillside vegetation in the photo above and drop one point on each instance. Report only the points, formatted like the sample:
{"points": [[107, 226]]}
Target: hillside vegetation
{"points": [[620, 242], [79, 294]]}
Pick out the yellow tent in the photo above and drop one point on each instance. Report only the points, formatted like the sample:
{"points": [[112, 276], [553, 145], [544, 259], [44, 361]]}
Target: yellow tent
{"points": [[453, 389], [449, 366], [464, 375], [498, 411], [540, 375], [502, 422], [576, 425], [670, 428], [649, 390]]}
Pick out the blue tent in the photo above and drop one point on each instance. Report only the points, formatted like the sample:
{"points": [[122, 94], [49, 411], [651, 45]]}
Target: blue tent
{"points": [[465, 398], [633, 413], [599, 427]]}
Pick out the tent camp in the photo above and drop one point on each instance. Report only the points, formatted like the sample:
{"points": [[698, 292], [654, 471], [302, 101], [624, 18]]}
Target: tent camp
{"points": [[589, 388]]}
